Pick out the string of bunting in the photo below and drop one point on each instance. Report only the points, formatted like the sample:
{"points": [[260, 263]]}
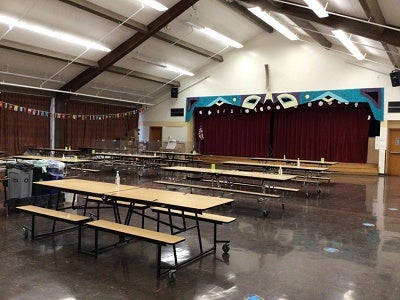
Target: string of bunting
{"points": [[41, 113]]}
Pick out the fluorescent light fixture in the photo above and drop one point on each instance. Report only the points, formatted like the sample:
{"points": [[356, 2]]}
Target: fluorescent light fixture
{"points": [[317, 7], [348, 43], [267, 18], [178, 70], [69, 38], [131, 93], [220, 37], [154, 4], [166, 66], [216, 35]]}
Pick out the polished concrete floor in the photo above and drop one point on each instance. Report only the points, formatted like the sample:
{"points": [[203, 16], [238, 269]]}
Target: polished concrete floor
{"points": [[342, 244]]}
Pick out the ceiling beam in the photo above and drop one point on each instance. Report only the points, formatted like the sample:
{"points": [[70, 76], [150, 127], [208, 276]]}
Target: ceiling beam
{"points": [[244, 12], [368, 30], [126, 47], [48, 54], [117, 18], [374, 12], [312, 32], [45, 53], [305, 25]]}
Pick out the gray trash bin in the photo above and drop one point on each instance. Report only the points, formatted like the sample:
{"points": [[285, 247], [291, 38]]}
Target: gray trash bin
{"points": [[19, 180]]}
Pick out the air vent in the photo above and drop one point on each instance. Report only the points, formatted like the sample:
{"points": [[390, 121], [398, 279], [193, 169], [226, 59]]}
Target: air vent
{"points": [[394, 106], [177, 112]]}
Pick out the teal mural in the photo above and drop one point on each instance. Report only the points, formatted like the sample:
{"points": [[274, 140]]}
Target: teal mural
{"points": [[372, 96]]}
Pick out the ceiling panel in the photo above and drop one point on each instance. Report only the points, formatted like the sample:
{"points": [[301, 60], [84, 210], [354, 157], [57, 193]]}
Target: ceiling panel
{"points": [[73, 21], [77, 18], [134, 9]]}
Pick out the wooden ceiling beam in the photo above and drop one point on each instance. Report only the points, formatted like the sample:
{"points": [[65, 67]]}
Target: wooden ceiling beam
{"points": [[126, 47], [117, 18], [347, 24], [374, 12], [48, 54]]}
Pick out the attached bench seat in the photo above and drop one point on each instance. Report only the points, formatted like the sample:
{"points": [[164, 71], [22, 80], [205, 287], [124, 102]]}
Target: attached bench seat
{"points": [[158, 238], [207, 217], [84, 169], [204, 217], [313, 179], [55, 215], [273, 187]]}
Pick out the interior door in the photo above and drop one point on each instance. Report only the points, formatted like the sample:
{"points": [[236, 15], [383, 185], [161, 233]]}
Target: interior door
{"points": [[155, 138], [394, 152]]}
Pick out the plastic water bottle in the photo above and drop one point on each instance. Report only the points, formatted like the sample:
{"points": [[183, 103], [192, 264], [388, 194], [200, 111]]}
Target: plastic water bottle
{"points": [[117, 181], [298, 162], [280, 172]]}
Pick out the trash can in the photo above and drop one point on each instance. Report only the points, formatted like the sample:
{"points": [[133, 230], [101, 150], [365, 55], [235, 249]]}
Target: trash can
{"points": [[56, 169], [20, 175], [46, 170]]}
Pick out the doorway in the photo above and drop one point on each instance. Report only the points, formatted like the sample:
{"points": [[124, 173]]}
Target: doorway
{"points": [[155, 138], [394, 152]]}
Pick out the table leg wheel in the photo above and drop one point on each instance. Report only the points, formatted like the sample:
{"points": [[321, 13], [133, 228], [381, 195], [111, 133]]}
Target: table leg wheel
{"points": [[265, 213], [25, 232], [283, 206], [308, 195], [171, 275], [225, 247], [319, 191]]}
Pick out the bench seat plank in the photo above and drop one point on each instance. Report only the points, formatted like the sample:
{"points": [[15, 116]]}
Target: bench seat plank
{"points": [[281, 188], [217, 189], [202, 217], [149, 235], [55, 214]]}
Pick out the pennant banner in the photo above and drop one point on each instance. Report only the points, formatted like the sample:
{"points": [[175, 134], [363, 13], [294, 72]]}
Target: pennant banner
{"points": [[41, 113]]}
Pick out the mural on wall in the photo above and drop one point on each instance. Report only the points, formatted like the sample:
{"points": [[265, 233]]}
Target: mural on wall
{"points": [[372, 96]]}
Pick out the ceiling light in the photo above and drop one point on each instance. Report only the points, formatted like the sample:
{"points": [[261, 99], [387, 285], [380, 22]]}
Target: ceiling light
{"points": [[131, 93], [154, 4], [166, 66], [317, 7], [69, 38], [274, 23], [178, 70], [348, 43], [216, 35]]}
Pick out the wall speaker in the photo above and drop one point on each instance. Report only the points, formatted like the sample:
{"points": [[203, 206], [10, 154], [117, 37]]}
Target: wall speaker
{"points": [[395, 78], [174, 92]]}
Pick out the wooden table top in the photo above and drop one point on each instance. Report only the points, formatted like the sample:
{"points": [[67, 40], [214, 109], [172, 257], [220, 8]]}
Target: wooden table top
{"points": [[149, 196], [171, 199], [55, 150], [75, 185], [64, 160], [127, 155], [293, 161], [172, 153], [234, 173], [284, 166]]}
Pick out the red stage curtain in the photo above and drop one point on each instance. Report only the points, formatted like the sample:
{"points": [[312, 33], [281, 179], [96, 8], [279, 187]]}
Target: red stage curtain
{"points": [[236, 134], [337, 133], [20, 129], [96, 133]]}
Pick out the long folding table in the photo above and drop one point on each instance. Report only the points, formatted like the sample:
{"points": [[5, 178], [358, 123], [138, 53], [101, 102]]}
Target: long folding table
{"points": [[216, 174], [196, 204], [308, 173]]}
